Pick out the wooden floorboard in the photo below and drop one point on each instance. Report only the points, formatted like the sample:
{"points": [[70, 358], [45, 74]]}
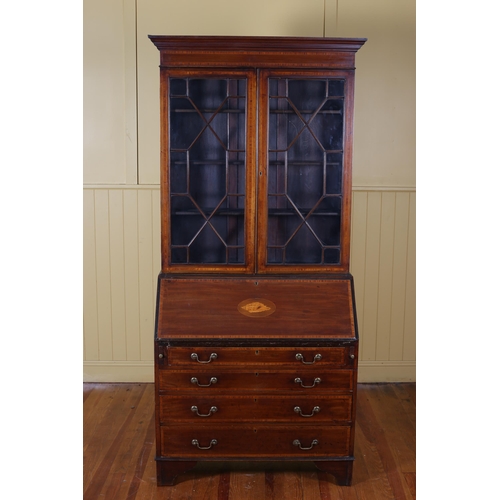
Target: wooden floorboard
{"points": [[119, 451]]}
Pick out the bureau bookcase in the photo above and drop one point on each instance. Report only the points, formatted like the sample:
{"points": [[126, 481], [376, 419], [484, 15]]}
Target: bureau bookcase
{"points": [[256, 342]]}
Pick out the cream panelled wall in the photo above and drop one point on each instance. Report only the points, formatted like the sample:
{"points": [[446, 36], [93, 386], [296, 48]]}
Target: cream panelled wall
{"points": [[122, 261], [222, 17], [384, 114], [109, 92], [121, 168], [121, 235], [383, 266]]}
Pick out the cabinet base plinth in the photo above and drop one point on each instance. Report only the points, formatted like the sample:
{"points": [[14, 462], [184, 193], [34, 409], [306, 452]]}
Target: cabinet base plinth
{"points": [[167, 471], [341, 470]]}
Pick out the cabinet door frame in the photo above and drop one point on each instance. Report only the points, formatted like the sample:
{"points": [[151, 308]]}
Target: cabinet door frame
{"points": [[262, 210], [250, 163]]}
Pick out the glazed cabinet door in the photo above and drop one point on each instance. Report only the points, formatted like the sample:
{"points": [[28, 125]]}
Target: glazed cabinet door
{"points": [[304, 171], [208, 170]]}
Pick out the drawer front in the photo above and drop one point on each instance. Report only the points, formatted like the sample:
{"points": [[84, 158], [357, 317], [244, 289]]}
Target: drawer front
{"points": [[206, 382], [299, 357], [291, 409], [254, 441]]}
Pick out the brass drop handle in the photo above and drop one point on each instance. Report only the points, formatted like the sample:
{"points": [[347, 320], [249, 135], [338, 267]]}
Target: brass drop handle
{"points": [[213, 409], [298, 410], [195, 442], [213, 356], [213, 380], [300, 357], [313, 443], [298, 380]]}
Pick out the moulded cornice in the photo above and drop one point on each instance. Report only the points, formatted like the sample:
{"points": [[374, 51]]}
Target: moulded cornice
{"points": [[255, 43], [256, 52]]}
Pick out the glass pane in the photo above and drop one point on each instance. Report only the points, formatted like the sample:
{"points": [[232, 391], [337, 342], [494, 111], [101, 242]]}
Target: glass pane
{"points": [[325, 221], [305, 184], [332, 256], [207, 248], [207, 94], [305, 170], [335, 88], [327, 125], [178, 173], [185, 124], [186, 221], [229, 227], [236, 176], [304, 248], [178, 87], [207, 178], [179, 255], [284, 226], [333, 182], [207, 170], [307, 95]]}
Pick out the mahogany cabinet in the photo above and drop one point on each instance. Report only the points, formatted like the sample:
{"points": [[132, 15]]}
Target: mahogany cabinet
{"points": [[256, 342]]}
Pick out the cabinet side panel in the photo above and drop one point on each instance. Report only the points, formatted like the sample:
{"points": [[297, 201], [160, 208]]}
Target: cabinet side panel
{"points": [[347, 170], [164, 191]]}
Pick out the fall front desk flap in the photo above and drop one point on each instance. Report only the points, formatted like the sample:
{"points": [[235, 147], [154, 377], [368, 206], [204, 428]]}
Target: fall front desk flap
{"points": [[255, 308]]}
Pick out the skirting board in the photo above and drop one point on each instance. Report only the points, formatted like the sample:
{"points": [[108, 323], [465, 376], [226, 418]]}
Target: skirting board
{"points": [[137, 371], [118, 371], [386, 371]]}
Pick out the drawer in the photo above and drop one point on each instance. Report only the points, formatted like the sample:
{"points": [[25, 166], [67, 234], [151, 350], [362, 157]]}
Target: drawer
{"points": [[254, 441], [257, 356], [206, 382], [297, 409]]}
